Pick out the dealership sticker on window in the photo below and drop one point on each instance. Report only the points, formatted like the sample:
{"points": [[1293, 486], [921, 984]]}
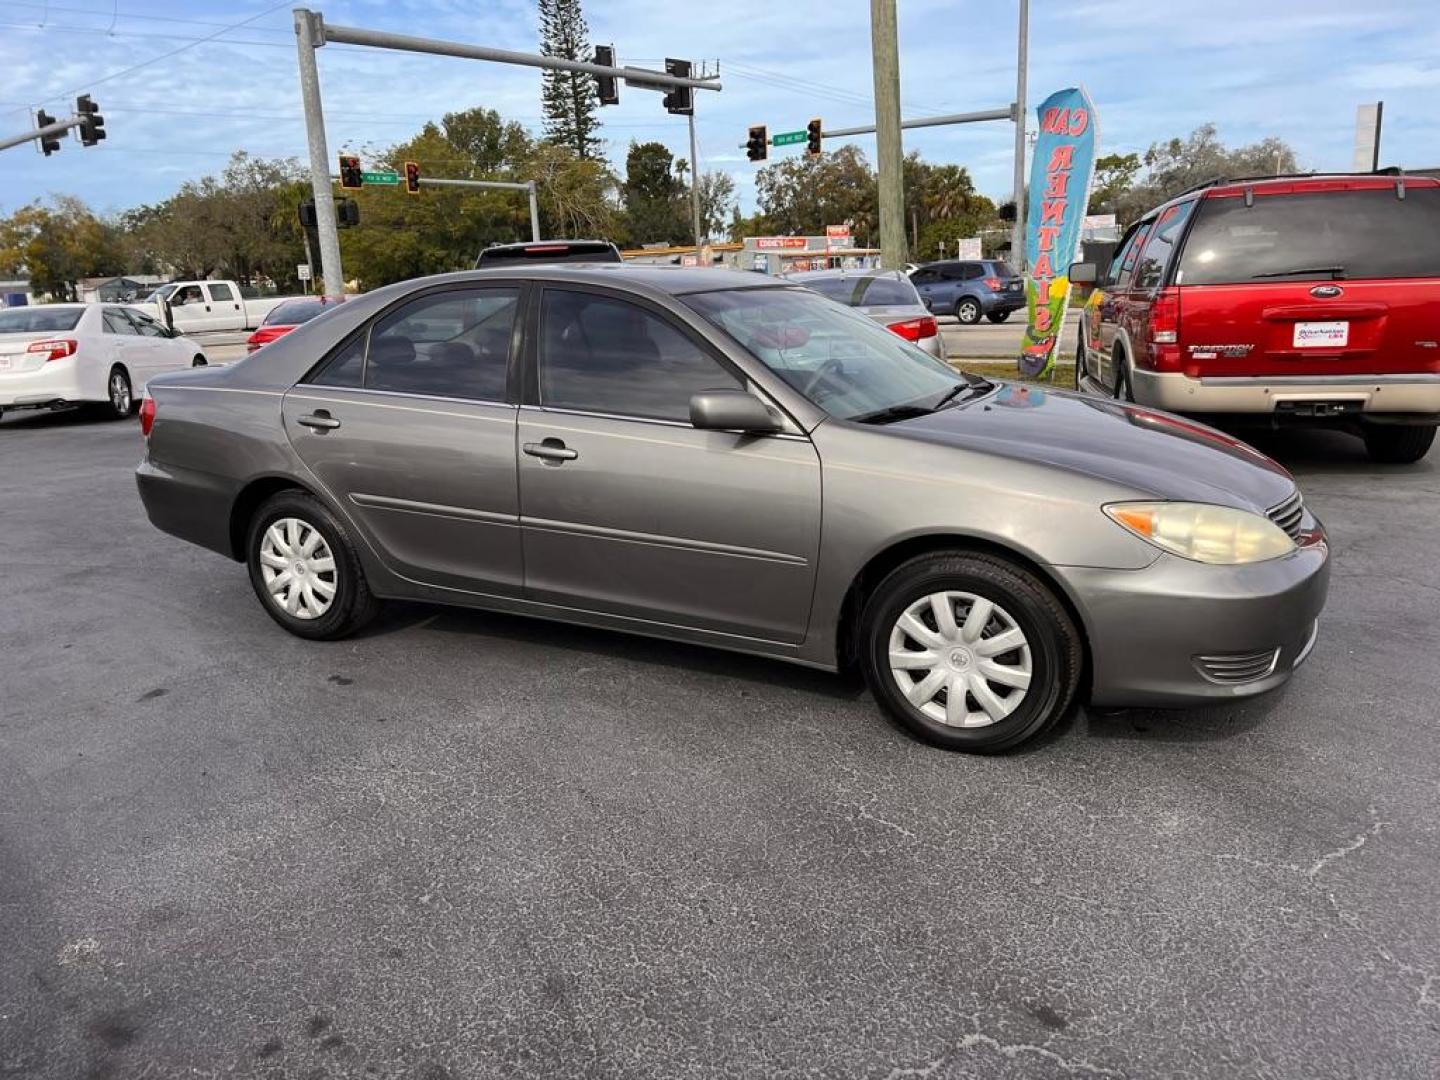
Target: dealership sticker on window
{"points": [[1322, 335]]}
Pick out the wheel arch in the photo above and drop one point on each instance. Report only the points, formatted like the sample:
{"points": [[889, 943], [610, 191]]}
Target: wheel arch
{"points": [[249, 499], [875, 570]]}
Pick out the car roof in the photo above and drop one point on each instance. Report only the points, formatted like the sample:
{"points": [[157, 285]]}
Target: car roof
{"points": [[875, 272], [1229, 187], [672, 280]]}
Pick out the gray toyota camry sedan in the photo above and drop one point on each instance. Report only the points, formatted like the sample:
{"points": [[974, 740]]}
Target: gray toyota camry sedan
{"points": [[724, 459]]}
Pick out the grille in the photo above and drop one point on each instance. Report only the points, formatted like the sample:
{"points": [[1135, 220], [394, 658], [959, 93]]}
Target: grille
{"points": [[1235, 668], [1288, 515]]}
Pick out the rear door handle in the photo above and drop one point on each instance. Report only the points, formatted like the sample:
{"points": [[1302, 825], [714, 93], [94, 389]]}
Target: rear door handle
{"points": [[551, 450], [319, 421]]}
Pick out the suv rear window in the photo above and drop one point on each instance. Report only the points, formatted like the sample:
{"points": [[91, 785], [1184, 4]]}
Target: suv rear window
{"points": [[1365, 234], [1002, 270], [549, 251]]}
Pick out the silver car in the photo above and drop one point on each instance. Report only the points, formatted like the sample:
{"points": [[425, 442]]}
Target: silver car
{"points": [[721, 458], [886, 296]]}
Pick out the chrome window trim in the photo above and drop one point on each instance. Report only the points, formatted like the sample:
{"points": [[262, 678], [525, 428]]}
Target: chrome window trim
{"points": [[685, 425]]}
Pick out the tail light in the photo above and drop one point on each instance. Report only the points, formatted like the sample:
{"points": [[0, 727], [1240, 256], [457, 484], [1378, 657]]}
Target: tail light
{"points": [[147, 415], [993, 284], [914, 329], [1165, 329], [58, 348]]}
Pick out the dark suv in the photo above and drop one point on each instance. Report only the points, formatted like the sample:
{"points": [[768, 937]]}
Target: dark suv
{"points": [[1302, 298], [970, 288]]}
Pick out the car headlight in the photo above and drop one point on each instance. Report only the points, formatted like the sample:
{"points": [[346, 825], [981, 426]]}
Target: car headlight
{"points": [[1205, 533]]}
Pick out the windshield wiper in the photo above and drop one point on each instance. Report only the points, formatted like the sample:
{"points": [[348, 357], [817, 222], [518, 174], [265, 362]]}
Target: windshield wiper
{"points": [[892, 413], [1333, 271], [976, 384]]}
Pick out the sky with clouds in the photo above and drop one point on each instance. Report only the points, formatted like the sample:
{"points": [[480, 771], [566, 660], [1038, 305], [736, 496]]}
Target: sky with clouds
{"points": [[1155, 69]]}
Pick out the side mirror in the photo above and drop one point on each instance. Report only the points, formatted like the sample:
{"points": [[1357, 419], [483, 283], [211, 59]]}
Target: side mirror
{"points": [[1083, 274], [731, 410]]}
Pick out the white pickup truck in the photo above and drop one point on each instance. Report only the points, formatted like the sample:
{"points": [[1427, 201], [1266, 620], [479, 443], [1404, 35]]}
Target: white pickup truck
{"points": [[197, 307]]}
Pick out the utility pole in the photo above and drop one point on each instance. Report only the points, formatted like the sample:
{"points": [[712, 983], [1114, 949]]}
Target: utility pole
{"points": [[1017, 230], [694, 185], [885, 61], [329, 234]]}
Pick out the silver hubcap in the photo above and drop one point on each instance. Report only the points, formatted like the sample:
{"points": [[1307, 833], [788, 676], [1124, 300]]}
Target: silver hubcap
{"points": [[960, 659], [298, 568], [119, 393]]}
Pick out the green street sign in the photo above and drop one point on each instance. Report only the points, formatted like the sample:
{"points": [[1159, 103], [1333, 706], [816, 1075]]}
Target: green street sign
{"points": [[787, 138], [392, 178]]}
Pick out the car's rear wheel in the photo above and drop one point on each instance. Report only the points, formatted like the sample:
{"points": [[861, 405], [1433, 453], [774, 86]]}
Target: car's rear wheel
{"points": [[1123, 390], [304, 568], [1398, 444], [199, 360], [119, 399], [998, 316], [969, 651], [967, 310]]}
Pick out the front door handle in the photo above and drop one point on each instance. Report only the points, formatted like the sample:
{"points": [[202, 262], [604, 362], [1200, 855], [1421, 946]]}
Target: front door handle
{"points": [[320, 421], [551, 450]]}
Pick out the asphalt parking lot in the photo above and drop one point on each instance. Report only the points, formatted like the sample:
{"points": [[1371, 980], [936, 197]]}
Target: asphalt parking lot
{"points": [[467, 845]]}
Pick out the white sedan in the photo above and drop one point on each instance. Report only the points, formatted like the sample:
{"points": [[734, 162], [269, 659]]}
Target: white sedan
{"points": [[56, 355]]}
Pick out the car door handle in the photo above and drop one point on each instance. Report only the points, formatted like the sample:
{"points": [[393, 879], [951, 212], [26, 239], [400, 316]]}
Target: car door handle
{"points": [[320, 421], [551, 450]]}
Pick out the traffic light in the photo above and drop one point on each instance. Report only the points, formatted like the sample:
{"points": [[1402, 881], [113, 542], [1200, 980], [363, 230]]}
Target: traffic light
{"points": [[48, 143], [347, 213], [757, 146], [605, 84], [681, 99], [92, 124], [412, 178], [350, 171], [307, 215], [812, 138]]}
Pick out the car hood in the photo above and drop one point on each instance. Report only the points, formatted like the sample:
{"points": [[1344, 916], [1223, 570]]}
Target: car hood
{"points": [[1155, 454]]}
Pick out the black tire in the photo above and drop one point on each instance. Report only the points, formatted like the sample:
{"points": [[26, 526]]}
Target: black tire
{"points": [[1081, 364], [120, 396], [1123, 390], [199, 360], [1056, 650], [967, 310], [1398, 444], [998, 316], [352, 605]]}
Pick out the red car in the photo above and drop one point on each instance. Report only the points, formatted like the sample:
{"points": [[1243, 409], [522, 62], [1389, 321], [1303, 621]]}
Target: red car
{"points": [[1306, 298], [287, 317]]}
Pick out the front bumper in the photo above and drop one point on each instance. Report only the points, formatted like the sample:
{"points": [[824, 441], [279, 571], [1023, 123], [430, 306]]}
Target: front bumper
{"points": [[1149, 628], [1417, 393]]}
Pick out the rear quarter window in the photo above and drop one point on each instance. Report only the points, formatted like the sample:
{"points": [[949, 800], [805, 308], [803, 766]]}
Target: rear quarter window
{"points": [[1365, 234]]}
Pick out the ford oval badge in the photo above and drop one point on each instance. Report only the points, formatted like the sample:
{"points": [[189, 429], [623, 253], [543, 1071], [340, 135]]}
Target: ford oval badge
{"points": [[1326, 292]]}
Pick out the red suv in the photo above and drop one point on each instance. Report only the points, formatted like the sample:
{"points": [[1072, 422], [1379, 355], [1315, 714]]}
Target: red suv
{"points": [[1313, 298]]}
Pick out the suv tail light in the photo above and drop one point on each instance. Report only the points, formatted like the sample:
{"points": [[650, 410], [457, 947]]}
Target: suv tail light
{"points": [[147, 415], [915, 329], [1165, 329], [993, 284], [58, 348]]}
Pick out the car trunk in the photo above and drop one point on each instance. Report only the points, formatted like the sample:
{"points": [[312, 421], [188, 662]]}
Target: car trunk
{"points": [[15, 360], [1370, 328]]}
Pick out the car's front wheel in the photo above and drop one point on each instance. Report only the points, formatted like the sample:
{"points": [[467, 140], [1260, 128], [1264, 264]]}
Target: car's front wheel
{"points": [[304, 568], [969, 651], [199, 360], [1398, 444], [967, 310]]}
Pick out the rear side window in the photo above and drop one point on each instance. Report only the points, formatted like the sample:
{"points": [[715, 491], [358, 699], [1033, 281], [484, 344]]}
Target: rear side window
{"points": [[1315, 236], [1160, 248], [221, 292], [117, 323], [601, 354]]}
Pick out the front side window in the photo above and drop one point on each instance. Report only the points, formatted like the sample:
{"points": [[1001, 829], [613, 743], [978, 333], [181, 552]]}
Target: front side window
{"points": [[602, 354], [845, 363], [190, 294]]}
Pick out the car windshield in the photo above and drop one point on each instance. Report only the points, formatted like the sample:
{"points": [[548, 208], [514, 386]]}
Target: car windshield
{"points": [[39, 320], [864, 290], [295, 312], [159, 294], [846, 364]]}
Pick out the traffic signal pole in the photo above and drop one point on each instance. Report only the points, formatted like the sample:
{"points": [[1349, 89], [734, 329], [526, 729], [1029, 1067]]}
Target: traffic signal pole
{"points": [[309, 36], [59, 127], [1017, 229], [694, 184]]}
